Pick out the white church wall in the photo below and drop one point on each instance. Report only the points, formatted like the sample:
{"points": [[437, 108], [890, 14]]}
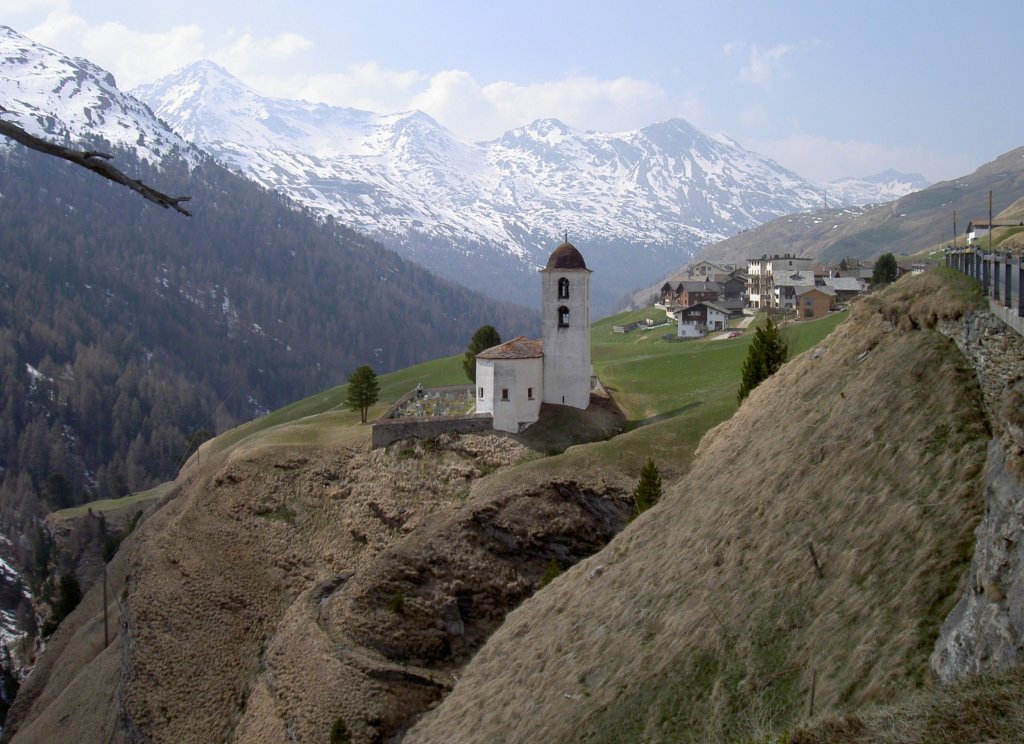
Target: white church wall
{"points": [[514, 391]]}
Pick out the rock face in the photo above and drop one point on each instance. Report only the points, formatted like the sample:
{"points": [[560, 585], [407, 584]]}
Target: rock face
{"points": [[985, 632]]}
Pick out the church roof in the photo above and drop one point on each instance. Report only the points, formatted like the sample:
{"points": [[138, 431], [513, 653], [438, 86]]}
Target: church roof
{"points": [[566, 256], [520, 347]]}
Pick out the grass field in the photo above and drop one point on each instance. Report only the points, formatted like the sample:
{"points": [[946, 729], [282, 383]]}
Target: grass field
{"points": [[107, 506], [690, 383]]}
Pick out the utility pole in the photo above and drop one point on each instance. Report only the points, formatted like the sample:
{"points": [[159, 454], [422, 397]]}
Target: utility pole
{"points": [[106, 635]]}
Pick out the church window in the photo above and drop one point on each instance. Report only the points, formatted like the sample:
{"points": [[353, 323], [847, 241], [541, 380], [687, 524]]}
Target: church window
{"points": [[529, 393], [563, 317], [504, 393], [481, 393], [563, 289]]}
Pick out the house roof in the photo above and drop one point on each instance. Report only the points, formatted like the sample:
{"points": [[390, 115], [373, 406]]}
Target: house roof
{"points": [[700, 286], [823, 290], [566, 256], [843, 283], [711, 306], [520, 347], [795, 279]]}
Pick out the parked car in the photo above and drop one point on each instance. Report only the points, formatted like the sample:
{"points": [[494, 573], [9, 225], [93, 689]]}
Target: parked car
{"points": [[734, 334]]}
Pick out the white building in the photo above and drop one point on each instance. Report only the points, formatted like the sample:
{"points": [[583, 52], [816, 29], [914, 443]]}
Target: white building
{"points": [[762, 273], [515, 377]]}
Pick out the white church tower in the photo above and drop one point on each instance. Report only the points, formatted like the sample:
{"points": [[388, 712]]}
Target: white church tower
{"points": [[565, 328]]}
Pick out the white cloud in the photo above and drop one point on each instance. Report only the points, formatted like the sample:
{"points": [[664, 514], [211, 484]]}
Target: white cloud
{"points": [[246, 52], [471, 109], [820, 159], [763, 65], [136, 57], [478, 111], [365, 86]]}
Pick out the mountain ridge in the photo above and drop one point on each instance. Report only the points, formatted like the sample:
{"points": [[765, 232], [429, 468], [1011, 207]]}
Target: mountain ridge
{"points": [[650, 196]]}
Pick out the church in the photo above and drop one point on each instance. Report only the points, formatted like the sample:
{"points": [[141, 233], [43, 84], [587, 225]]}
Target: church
{"points": [[514, 378]]}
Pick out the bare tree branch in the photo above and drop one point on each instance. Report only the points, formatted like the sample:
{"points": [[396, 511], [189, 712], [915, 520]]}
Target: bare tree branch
{"points": [[94, 161]]}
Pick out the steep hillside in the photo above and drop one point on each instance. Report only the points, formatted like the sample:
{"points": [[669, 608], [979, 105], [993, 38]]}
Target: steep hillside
{"points": [[396, 564], [705, 619], [908, 225]]}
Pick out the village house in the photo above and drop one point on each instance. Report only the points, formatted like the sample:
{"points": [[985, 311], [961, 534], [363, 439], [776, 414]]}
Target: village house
{"points": [[690, 292], [516, 377], [845, 287], [762, 273], [697, 320], [814, 302], [788, 286]]}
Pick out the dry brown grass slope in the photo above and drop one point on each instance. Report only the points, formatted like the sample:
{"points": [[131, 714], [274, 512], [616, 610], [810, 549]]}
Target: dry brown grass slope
{"points": [[705, 620], [300, 577]]}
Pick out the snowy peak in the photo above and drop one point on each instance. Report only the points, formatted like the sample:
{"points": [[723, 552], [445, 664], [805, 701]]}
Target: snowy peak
{"points": [[68, 98], [879, 188], [206, 104], [405, 176]]}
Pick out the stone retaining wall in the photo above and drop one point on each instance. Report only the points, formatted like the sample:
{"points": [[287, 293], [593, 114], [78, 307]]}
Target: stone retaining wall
{"points": [[388, 429], [985, 631]]}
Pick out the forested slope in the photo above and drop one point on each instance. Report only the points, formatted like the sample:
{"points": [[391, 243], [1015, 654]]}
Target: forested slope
{"points": [[125, 329]]}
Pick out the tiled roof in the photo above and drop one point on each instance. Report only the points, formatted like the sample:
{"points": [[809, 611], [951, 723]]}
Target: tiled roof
{"points": [[520, 347]]}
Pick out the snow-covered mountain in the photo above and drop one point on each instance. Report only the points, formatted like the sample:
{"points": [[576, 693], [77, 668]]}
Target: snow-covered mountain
{"points": [[638, 202], [882, 187], [66, 99]]}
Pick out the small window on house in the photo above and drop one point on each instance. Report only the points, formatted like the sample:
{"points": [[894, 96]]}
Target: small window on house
{"points": [[529, 393], [563, 317], [481, 393], [504, 393], [563, 289]]}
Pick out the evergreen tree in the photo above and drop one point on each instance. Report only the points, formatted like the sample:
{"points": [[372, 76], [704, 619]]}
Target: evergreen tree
{"points": [[886, 270], [363, 390], [768, 351], [484, 338], [648, 489]]}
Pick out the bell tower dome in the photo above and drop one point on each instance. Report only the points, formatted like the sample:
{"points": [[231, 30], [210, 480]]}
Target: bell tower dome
{"points": [[565, 324]]}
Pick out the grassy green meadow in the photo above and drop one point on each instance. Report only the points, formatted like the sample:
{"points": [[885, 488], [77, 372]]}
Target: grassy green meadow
{"points": [[650, 378]]}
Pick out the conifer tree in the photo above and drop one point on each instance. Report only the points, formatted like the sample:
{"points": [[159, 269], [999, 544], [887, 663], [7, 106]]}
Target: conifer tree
{"points": [[886, 270], [768, 351], [363, 390], [648, 489], [484, 338]]}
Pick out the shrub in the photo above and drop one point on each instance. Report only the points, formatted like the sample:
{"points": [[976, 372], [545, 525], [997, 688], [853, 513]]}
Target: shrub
{"points": [[397, 603], [550, 573], [339, 732]]}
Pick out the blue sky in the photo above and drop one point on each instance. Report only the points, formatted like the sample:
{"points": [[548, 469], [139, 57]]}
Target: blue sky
{"points": [[827, 89]]}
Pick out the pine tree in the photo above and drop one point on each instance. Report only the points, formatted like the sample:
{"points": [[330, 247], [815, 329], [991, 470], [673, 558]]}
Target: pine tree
{"points": [[768, 351], [363, 390], [648, 489], [484, 338]]}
